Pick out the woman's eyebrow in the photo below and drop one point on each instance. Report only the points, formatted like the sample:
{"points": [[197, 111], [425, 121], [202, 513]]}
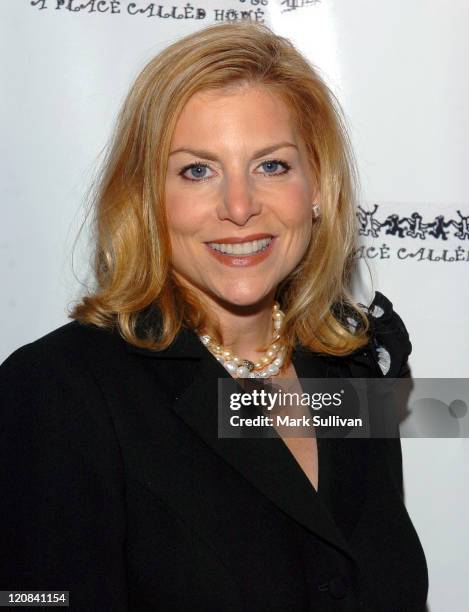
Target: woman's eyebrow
{"points": [[212, 157]]}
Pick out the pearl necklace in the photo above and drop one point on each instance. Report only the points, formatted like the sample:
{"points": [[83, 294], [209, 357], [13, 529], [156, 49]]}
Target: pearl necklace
{"points": [[267, 366]]}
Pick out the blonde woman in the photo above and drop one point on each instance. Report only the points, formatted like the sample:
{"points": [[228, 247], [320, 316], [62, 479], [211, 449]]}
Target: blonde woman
{"points": [[224, 234]]}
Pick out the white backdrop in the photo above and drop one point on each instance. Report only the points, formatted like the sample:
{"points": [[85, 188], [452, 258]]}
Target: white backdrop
{"points": [[399, 70]]}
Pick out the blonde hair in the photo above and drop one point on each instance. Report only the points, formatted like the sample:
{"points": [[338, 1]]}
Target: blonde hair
{"points": [[132, 259]]}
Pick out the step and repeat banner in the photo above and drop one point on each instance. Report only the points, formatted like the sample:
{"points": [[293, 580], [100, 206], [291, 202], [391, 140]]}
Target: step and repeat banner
{"points": [[399, 70]]}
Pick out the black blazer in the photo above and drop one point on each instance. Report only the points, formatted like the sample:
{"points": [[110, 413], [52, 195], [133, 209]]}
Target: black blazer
{"points": [[116, 487]]}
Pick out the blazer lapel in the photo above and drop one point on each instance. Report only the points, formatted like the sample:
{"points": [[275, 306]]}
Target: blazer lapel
{"points": [[265, 462], [343, 462]]}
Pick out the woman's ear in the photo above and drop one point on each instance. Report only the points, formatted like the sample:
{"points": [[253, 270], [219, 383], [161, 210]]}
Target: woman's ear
{"points": [[314, 186]]}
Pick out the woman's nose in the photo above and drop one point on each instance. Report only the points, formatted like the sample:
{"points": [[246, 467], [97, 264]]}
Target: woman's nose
{"points": [[238, 202]]}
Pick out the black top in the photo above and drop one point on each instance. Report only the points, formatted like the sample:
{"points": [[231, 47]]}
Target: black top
{"points": [[117, 488]]}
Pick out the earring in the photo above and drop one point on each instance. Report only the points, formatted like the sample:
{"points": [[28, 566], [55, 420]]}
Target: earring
{"points": [[316, 208]]}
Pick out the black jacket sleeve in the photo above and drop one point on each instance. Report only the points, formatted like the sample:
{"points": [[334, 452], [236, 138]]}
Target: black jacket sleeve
{"points": [[63, 497], [390, 332]]}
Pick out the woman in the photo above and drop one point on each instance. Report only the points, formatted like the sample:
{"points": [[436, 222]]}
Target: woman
{"points": [[225, 232]]}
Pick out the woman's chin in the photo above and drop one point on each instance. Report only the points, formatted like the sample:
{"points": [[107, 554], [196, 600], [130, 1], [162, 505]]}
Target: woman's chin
{"points": [[245, 298]]}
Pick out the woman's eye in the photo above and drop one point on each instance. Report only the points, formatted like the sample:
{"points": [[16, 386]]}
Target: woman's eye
{"points": [[271, 167], [195, 172]]}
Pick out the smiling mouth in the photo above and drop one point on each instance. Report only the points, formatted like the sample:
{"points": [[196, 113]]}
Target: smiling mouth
{"points": [[253, 247]]}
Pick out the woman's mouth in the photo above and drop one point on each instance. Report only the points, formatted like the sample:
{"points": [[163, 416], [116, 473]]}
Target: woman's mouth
{"points": [[242, 253]]}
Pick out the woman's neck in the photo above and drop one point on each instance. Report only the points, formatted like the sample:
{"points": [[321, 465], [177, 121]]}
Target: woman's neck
{"points": [[245, 329]]}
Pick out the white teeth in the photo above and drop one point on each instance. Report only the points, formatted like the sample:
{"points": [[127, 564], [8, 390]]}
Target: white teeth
{"points": [[241, 248]]}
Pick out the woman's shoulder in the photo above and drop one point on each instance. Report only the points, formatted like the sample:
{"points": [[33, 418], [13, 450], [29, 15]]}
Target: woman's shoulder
{"points": [[389, 342], [62, 352], [388, 348]]}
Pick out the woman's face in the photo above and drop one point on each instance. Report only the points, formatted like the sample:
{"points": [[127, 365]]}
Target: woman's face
{"points": [[238, 195]]}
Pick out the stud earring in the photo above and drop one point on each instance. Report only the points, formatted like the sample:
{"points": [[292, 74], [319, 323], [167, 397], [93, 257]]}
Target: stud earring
{"points": [[316, 208]]}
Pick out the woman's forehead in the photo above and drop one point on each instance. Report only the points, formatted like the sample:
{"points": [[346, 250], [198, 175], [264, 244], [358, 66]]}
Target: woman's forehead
{"points": [[230, 114]]}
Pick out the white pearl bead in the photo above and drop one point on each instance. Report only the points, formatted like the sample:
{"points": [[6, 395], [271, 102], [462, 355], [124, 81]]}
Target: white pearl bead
{"points": [[231, 366], [277, 362], [242, 372], [273, 370]]}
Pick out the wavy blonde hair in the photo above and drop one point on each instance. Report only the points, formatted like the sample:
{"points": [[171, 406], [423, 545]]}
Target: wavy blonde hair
{"points": [[132, 258]]}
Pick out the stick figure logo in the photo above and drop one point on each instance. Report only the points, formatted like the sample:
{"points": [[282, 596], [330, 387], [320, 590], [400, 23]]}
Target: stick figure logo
{"points": [[412, 226]]}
